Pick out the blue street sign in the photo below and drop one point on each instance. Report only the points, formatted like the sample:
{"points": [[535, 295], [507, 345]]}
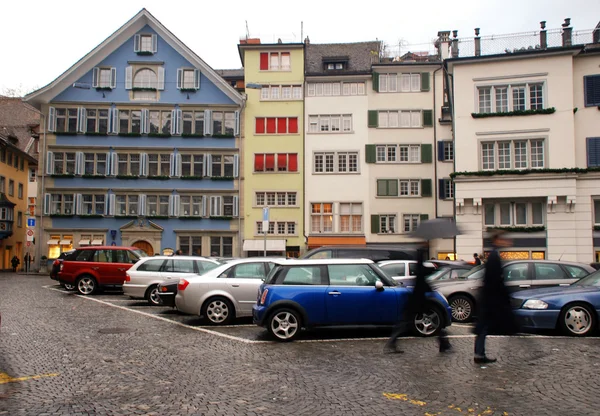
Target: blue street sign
{"points": [[266, 214], [31, 222]]}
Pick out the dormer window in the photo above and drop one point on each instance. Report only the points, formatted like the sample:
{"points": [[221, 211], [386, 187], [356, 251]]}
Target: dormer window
{"points": [[335, 66], [145, 44]]}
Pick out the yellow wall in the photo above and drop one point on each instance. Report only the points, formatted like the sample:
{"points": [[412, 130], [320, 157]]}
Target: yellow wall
{"points": [[17, 242], [289, 143]]}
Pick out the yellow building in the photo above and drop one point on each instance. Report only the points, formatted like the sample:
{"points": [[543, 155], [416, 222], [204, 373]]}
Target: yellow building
{"points": [[14, 176], [273, 147]]}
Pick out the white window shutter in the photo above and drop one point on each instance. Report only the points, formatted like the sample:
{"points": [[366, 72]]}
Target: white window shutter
{"points": [[154, 43], [172, 164], [81, 116], [145, 165], [212, 206], [178, 165], [236, 206], [207, 122], [95, 72], [176, 204], [171, 203], [143, 117], [136, 43], [49, 163], [106, 197], [204, 201], [46, 204], [178, 124], [236, 128], [51, 119], [128, 77], [179, 78], [196, 79], [115, 121], [73, 205], [236, 166], [140, 205], [111, 204], [173, 122], [208, 164], [204, 164], [113, 78], [79, 163], [114, 164], [161, 78], [145, 121], [78, 204]]}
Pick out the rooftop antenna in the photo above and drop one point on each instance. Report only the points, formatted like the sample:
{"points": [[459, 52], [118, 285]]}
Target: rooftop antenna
{"points": [[247, 31], [301, 31]]}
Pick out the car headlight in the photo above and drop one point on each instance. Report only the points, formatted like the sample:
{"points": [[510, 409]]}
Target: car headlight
{"points": [[535, 304], [443, 297]]}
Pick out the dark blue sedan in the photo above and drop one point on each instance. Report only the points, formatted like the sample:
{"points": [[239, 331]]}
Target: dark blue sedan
{"points": [[572, 309]]}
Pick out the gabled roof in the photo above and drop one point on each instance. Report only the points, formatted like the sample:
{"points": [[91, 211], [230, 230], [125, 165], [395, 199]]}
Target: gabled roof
{"points": [[124, 33], [358, 56], [19, 121]]}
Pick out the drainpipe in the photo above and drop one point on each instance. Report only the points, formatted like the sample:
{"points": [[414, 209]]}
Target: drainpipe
{"points": [[240, 173], [450, 86], [42, 164], [304, 90], [435, 155]]}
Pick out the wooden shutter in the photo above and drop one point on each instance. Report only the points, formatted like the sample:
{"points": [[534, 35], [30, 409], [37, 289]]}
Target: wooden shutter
{"points": [[375, 81], [373, 118], [128, 77], [196, 79], [592, 90], [424, 81], [114, 164], [81, 119], [46, 204], [426, 156], [593, 154], [264, 61], [145, 127], [427, 118], [370, 153], [176, 205], [293, 125], [440, 151], [172, 164], [260, 125], [113, 78], [78, 205], [161, 78], [49, 163], [178, 165], [95, 77], [374, 224], [236, 128], [51, 119], [293, 162], [179, 78], [441, 188], [236, 166], [173, 122], [178, 119], [114, 121], [236, 206], [204, 203], [79, 163], [136, 43], [111, 204], [154, 43], [207, 122], [423, 217], [171, 204], [426, 187], [208, 164]]}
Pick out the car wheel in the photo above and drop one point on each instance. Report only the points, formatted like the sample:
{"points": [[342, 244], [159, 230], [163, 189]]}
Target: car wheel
{"points": [[68, 286], [577, 320], [462, 308], [152, 296], [284, 324], [86, 285], [428, 323], [218, 311]]}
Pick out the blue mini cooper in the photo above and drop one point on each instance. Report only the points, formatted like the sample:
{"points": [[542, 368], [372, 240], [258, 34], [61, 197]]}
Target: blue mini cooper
{"points": [[336, 292]]}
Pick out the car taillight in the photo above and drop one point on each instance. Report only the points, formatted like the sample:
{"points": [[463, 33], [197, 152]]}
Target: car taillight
{"points": [[264, 296], [182, 284], [56, 263], [127, 277]]}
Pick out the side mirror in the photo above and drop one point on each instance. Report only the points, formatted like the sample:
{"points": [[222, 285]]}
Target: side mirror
{"points": [[378, 285]]}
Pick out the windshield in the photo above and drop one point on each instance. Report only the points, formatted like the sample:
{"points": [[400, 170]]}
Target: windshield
{"points": [[591, 280], [388, 278], [437, 274], [475, 273], [140, 253]]}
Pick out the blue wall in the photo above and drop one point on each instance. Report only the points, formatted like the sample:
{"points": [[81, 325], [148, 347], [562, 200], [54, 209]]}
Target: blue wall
{"points": [[209, 93], [141, 184], [175, 142]]}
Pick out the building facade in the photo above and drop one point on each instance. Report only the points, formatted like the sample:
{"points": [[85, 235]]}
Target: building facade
{"points": [[273, 148], [141, 149]]}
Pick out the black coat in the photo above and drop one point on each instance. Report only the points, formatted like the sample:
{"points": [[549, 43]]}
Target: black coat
{"points": [[417, 299], [495, 311]]}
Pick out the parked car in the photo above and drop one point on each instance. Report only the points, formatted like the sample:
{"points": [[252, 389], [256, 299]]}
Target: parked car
{"points": [[93, 267], [142, 279], [572, 309], [405, 271], [56, 268], [449, 272], [376, 254], [462, 293], [338, 292], [225, 292]]}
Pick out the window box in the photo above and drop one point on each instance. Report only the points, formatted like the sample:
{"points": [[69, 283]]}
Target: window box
{"points": [[91, 216], [130, 134], [190, 217], [61, 215], [550, 110], [192, 178], [517, 229], [144, 89], [159, 217], [89, 176], [66, 133], [523, 171], [90, 133], [127, 177], [159, 177], [220, 218], [222, 136], [145, 53], [159, 135], [221, 178], [63, 175], [104, 89], [126, 216], [188, 89], [189, 135]]}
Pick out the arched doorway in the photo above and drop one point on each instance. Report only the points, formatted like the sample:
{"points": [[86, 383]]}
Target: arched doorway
{"points": [[144, 245]]}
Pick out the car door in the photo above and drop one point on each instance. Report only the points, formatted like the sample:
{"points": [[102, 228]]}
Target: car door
{"points": [[243, 281], [352, 298], [551, 274], [178, 268], [122, 261], [146, 272], [517, 276]]}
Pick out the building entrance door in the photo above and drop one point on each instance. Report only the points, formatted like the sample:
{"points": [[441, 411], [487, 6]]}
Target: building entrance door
{"points": [[144, 245]]}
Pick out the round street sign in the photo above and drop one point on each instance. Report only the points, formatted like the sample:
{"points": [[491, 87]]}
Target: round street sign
{"points": [[28, 243], [30, 233]]}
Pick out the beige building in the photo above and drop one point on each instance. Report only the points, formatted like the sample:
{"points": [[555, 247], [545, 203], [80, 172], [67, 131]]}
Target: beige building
{"points": [[527, 144]]}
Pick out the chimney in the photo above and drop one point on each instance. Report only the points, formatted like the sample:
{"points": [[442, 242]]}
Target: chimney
{"points": [[455, 43], [543, 35], [596, 34], [307, 41], [443, 44], [566, 33], [477, 42]]}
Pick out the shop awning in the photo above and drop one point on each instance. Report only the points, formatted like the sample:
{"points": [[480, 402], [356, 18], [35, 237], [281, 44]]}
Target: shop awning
{"points": [[84, 242], [314, 242], [259, 245], [97, 242], [65, 242], [52, 242]]}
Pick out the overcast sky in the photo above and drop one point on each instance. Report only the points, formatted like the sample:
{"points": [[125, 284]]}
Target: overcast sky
{"points": [[41, 39]]}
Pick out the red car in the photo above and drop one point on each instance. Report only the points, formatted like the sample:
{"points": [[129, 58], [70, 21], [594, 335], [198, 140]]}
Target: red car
{"points": [[94, 267]]}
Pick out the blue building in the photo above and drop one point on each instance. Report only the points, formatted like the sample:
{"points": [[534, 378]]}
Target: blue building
{"points": [[141, 147]]}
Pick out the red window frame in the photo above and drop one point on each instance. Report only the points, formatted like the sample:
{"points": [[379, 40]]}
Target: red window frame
{"points": [[276, 125], [264, 61]]}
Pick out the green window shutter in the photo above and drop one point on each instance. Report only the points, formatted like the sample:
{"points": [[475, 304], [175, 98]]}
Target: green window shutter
{"points": [[426, 153], [425, 187], [427, 118], [370, 153], [392, 187], [374, 224], [424, 81], [373, 118], [382, 189], [375, 81], [424, 217]]}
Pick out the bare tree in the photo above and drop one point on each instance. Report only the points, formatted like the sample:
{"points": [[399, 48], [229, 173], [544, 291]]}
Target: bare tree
{"points": [[19, 91]]}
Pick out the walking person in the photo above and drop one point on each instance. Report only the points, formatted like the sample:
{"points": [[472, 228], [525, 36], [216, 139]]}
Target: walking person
{"points": [[495, 314], [15, 263], [27, 260], [476, 259]]}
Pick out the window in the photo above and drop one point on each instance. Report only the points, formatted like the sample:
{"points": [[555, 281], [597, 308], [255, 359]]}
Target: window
{"points": [[193, 123], [160, 122], [11, 187], [335, 162], [387, 223], [277, 228], [276, 125], [191, 206], [408, 82], [95, 164], [593, 152], [104, 79], [19, 219], [61, 204], [126, 204], [223, 123], [32, 175], [400, 119], [145, 44], [591, 86], [193, 165], [597, 211], [335, 66], [151, 266], [393, 153], [280, 162], [92, 204], [157, 205], [387, 187], [330, 123], [145, 78], [190, 245], [31, 207], [279, 199], [66, 120], [448, 151], [411, 222], [222, 165], [395, 187], [446, 188], [128, 164], [275, 61], [514, 214], [97, 121], [281, 92], [504, 98], [2, 184], [221, 246], [515, 154], [516, 271], [575, 272], [20, 191], [336, 88], [322, 217], [159, 164], [351, 217]]}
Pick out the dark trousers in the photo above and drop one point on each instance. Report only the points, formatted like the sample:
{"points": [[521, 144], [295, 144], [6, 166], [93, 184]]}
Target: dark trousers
{"points": [[404, 325], [482, 331]]}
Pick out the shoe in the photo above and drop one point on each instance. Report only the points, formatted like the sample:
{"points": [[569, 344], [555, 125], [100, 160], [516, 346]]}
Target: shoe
{"points": [[392, 350], [446, 347], [484, 360]]}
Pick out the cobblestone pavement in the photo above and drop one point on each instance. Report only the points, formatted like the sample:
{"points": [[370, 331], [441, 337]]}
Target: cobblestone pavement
{"points": [[63, 354]]}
